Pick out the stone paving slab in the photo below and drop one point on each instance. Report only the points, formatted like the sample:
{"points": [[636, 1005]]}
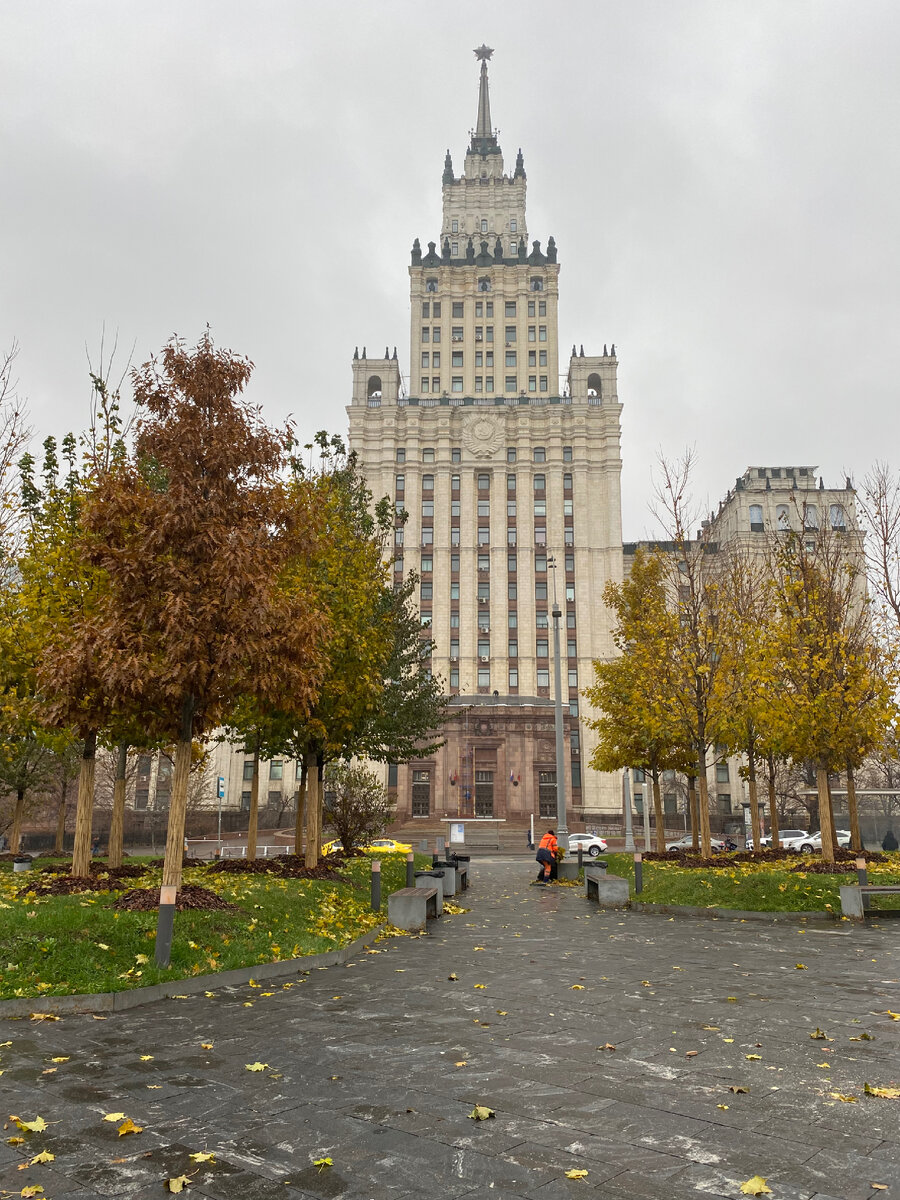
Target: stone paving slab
{"points": [[377, 1063]]}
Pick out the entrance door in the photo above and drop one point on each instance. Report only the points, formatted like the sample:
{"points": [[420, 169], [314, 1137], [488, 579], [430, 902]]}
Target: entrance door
{"points": [[484, 793]]}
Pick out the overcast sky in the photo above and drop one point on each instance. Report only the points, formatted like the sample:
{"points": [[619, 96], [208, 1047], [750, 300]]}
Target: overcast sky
{"points": [[722, 180]]}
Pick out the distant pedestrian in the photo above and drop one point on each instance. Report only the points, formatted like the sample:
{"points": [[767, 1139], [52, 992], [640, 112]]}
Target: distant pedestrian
{"points": [[889, 842], [546, 856], [528, 839]]}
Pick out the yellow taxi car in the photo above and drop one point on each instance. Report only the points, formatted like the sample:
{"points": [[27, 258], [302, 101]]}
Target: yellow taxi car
{"points": [[379, 846]]}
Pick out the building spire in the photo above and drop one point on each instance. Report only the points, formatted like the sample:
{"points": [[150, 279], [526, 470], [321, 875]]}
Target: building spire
{"points": [[483, 140]]}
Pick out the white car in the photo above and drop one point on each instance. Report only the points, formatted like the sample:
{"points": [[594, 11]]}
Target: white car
{"points": [[766, 841], [687, 843], [590, 844], [811, 843]]}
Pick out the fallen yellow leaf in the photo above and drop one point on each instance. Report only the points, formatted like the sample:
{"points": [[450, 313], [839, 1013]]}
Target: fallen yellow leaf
{"points": [[128, 1126], [887, 1093], [800, 967], [34, 1190], [575, 1173], [44, 1157], [577, 987], [481, 1113], [61, 1058], [841, 1096], [819, 1035], [178, 1183], [322, 1163], [756, 1187], [146, 1057], [753, 1057], [201, 1157], [113, 1116], [38, 1125], [257, 1066]]}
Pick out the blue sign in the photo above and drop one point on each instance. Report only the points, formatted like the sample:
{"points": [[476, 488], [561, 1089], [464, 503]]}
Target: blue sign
{"points": [[221, 787]]}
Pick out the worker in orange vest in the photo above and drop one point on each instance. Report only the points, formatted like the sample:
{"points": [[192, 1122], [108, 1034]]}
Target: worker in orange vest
{"points": [[546, 855]]}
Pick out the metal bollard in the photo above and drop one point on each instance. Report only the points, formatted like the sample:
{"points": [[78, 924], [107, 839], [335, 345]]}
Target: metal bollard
{"points": [[376, 885], [410, 870], [638, 872], [580, 856], [862, 878]]}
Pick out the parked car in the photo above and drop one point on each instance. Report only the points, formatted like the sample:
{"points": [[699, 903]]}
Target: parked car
{"points": [[811, 843], [379, 846], [590, 844], [766, 841], [687, 842]]}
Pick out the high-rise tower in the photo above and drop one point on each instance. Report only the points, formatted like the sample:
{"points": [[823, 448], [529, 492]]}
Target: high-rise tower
{"points": [[503, 468]]}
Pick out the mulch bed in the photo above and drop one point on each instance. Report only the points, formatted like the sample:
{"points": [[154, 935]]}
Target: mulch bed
{"points": [[843, 860], [185, 862], [126, 871], [189, 896], [286, 866], [66, 885]]}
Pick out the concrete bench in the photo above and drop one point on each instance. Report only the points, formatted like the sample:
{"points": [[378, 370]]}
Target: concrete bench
{"points": [[462, 876], [610, 891], [432, 879], [854, 897], [410, 908]]}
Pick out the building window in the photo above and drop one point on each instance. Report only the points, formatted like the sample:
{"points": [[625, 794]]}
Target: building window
{"points": [[542, 308], [569, 537], [426, 591], [513, 677], [392, 775], [484, 676], [484, 508], [571, 648], [427, 483], [510, 483], [510, 508], [512, 649], [424, 383], [489, 334], [540, 563], [511, 384], [509, 309], [454, 590], [426, 565], [484, 590], [484, 788], [421, 793], [484, 483], [276, 770], [810, 516], [722, 772], [542, 648], [436, 309], [400, 483], [573, 679], [510, 458], [488, 383], [457, 309], [454, 249], [454, 537], [542, 333], [532, 359], [724, 802], [436, 383], [567, 453], [426, 333], [479, 383], [837, 518], [510, 334], [479, 358], [454, 226], [756, 518], [245, 801], [543, 383], [456, 358], [540, 455], [576, 775], [511, 536], [436, 333], [457, 333], [540, 590], [570, 593], [540, 508], [510, 358], [512, 592], [567, 508], [531, 333], [540, 536], [428, 454], [547, 792], [570, 562], [570, 620], [425, 359], [401, 454], [454, 620], [427, 508], [484, 562], [537, 284], [454, 677], [456, 383], [512, 620], [455, 508], [513, 225], [489, 308], [542, 358], [532, 383], [455, 457], [428, 537], [248, 769], [454, 562], [426, 310]]}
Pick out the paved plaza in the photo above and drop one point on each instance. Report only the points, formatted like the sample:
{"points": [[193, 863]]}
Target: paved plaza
{"points": [[607, 1042]]}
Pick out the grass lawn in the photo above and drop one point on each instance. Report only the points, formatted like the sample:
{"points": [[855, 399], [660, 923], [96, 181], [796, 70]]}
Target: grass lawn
{"points": [[59, 945], [767, 887]]}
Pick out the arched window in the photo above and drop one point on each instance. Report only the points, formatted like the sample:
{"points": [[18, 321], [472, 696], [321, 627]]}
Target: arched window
{"points": [[756, 518], [810, 516], [373, 388], [783, 517], [837, 518], [594, 384]]}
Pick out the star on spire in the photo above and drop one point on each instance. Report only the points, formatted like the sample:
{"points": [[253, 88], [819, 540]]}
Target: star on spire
{"points": [[483, 53]]}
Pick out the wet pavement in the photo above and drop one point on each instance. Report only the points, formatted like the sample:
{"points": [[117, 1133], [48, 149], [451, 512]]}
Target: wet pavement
{"points": [[665, 1057]]}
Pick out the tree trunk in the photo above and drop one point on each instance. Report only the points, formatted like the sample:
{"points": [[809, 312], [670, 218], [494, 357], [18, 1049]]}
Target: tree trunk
{"points": [[658, 813], [773, 805], [253, 820], [703, 803], [59, 842], [171, 876], [15, 836], [312, 809], [117, 825], [751, 788], [301, 810], [320, 805], [695, 817], [826, 818], [84, 807], [853, 808]]}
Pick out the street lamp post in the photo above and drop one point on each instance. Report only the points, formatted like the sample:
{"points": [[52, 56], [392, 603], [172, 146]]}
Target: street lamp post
{"points": [[626, 796], [562, 832]]}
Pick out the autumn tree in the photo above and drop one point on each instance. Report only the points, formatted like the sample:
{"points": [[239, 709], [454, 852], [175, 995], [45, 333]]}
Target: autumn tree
{"points": [[189, 533], [637, 725], [838, 692], [355, 805], [697, 684]]}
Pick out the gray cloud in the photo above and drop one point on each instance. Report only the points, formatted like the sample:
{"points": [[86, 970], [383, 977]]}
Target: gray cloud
{"points": [[721, 179]]}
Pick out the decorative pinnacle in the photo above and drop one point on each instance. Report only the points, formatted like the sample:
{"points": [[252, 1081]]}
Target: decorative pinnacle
{"points": [[483, 53]]}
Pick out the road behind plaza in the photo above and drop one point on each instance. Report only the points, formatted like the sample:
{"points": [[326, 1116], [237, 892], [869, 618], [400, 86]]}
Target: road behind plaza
{"points": [[515, 1005]]}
